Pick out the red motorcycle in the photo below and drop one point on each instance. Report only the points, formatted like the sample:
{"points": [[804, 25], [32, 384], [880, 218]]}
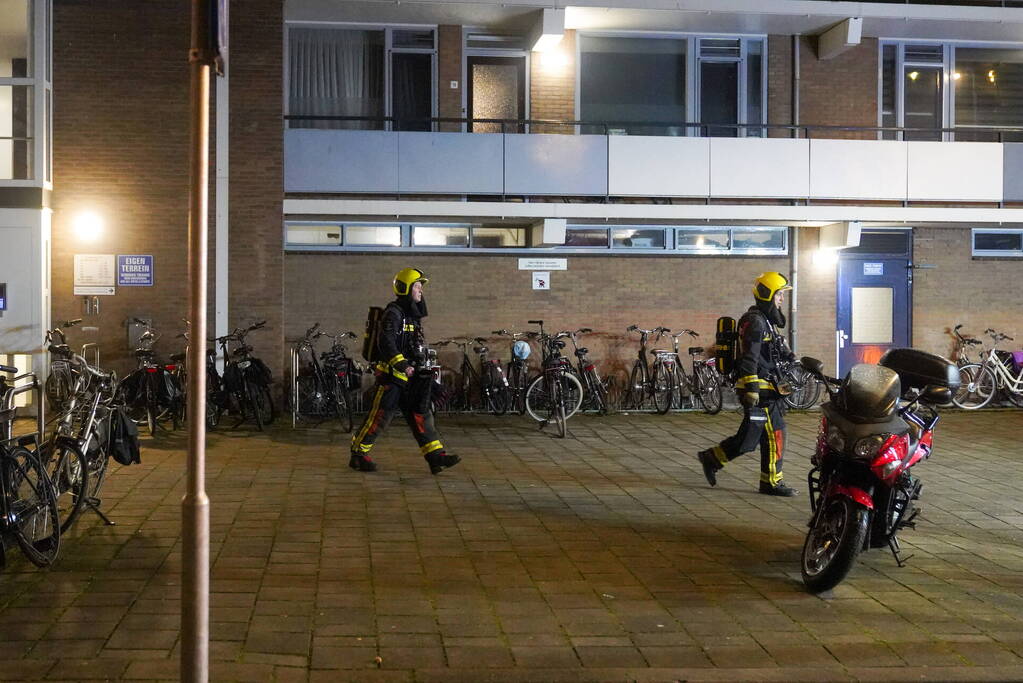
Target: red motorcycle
{"points": [[878, 424]]}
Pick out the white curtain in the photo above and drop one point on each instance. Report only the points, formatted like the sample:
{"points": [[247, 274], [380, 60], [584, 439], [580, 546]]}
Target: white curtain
{"points": [[336, 72]]}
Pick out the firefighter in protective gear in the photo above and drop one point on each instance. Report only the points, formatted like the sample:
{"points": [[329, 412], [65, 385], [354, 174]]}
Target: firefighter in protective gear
{"points": [[400, 386], [763, 421]]}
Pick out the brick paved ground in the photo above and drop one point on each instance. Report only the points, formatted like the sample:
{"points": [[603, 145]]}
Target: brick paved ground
{"points": [[600, 557]]}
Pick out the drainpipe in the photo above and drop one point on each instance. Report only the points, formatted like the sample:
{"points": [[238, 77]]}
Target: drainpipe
{"points": [[794, 279]]}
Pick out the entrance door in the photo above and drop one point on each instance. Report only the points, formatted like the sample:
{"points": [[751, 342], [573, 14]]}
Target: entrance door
{"points": [[497, 90], [874, 300]]}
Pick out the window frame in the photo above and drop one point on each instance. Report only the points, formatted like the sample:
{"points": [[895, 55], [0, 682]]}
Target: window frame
{"points": [[948, 66], [995, 253], [671, 247], [692, 71], [389, 52]]}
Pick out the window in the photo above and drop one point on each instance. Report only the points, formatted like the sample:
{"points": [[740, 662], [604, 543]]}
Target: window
{"points": [[20, 78], [1007, 243], [373, 236], [626, 82], [638, 238], [365, 74], [748, 240], [731, 86], [433, 236], [312, 234], [498, 238], [656, 85], [933, 86], [586, 237]]}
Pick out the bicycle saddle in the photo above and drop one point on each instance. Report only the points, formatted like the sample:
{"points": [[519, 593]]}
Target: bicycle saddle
{"points": [[177, 357], [663, 352], [558, 344], [693, 350], [581, 351], [479, 349]]}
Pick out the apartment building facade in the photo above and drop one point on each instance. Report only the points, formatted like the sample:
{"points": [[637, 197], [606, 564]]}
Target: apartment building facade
{"points": [[650, 161]]}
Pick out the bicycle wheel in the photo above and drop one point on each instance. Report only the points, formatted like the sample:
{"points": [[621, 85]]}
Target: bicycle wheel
{"points": [[636, 391], [662, 388], [497, 390], [516, 373], [264, 404], [342, 406], [805, 388], [1016, 398], [98, 457], [708, 389], [32, 509], [596, 391], [558, 399], [977, 389], [69, 472], [538, 400]]}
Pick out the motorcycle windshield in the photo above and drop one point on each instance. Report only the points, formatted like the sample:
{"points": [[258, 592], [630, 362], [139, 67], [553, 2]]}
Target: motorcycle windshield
{"points": [[869, 393]]}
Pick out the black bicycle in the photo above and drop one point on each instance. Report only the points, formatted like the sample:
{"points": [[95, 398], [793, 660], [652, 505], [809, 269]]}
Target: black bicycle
{"points": [[152, 392], [700, 385], [516, 370], [59, 381], [653, 380], [246, 380], [555, 394], [320, 387], [594, 387], [28, 503], [494, 391]]}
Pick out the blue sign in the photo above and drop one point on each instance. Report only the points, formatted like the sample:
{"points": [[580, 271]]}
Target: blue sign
{"points": [[134, 270]]}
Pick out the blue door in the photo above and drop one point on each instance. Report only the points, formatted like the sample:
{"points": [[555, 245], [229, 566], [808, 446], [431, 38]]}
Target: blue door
{"points": [[873, 307]]}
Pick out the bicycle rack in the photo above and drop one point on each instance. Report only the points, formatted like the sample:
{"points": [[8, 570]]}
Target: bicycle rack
{"points": [[294, 387]]}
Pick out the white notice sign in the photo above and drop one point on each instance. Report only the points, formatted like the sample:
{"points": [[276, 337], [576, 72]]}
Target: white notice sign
{"points": [[95, 274], [541, 280], [873, 268], [543, 264]]}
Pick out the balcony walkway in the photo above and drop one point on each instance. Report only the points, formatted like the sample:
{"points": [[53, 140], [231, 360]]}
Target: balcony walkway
{"points": [[604, 557]]}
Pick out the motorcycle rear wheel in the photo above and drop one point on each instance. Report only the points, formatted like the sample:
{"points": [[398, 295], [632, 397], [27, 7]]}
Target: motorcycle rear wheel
{"points": [[833, 543]]}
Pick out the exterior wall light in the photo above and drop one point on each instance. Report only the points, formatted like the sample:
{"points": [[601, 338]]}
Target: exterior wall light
{"points": [[88, 226], [548, 30], [913, 75], [825, 259]]}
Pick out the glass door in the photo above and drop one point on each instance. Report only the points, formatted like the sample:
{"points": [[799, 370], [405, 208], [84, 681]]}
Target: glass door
{"points": [[496, 90]]}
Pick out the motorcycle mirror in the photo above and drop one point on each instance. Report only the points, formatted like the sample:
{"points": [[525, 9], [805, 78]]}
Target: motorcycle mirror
{"points": [[812, 364]]}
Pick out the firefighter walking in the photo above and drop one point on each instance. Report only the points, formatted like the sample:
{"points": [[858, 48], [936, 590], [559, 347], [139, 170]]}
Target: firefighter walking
{"points": [[398, 350], [763, 421]]}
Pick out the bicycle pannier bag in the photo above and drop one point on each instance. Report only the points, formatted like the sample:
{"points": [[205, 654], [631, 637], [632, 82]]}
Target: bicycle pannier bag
{"points": [[725, 345], [372, 336], [259, 373], [124, 438]]}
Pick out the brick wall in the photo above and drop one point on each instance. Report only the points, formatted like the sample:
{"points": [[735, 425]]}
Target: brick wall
{"points": [[816, 295], [449, 68], [552, 85], [840, 91], [980, 293], [120, 123], [257, 175], [472, 295], [779, 83]]}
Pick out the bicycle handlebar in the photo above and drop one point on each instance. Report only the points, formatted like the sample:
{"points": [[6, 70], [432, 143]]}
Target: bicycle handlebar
{"points": [[8, 369], [71, 323]]}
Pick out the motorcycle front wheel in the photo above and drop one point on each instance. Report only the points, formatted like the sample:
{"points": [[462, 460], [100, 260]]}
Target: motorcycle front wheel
{"points": [[833, 542]]}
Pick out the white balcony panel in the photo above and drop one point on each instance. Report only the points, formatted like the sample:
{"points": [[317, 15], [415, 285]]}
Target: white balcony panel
{"points": [[658, 166], [340, 161], [758, 167], [960, 171], [857, 169], [555, 164], [450, 163]]}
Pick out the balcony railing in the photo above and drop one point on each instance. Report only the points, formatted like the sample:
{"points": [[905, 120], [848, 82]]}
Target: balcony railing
{"points": [[758, 161]]}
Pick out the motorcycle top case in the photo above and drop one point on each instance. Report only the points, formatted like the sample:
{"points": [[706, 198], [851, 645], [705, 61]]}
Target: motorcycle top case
{"points": [[918, 369]]}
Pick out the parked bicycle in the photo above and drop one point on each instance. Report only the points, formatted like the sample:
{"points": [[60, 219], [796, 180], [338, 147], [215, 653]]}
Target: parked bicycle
{"points": [[517, 368], [77, 453], [594, 386], [59, 380], [246, 380], [320, 390], [700, 385], [213, 382], [493, 385], [961, 354], [648, 380], [28, 504], [997, 371], [555, 394], [152, 392]]}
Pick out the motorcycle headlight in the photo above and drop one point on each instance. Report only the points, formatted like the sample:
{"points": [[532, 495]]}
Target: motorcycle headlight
{"points": [[868, 447], [836, 440]]}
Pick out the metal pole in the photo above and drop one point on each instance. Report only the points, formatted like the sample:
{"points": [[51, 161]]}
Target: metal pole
{"points": [[195, 506]]}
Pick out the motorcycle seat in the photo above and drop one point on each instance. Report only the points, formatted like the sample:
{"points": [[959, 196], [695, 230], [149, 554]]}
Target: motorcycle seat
{"points": [[693, 350]]}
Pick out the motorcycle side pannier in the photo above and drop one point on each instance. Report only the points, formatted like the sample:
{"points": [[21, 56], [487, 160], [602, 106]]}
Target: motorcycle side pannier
{"points": [[918, 369]]}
